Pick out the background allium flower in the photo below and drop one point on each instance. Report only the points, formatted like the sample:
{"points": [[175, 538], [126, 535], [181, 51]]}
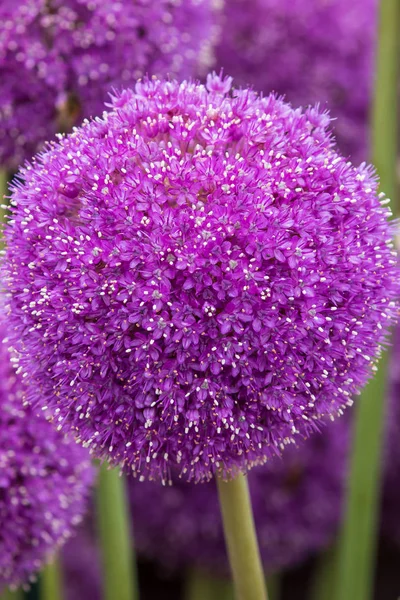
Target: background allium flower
{"points": [[296, 503], [44, 483], [309, 50], [198, 278], [59, 59], [82, 566]]}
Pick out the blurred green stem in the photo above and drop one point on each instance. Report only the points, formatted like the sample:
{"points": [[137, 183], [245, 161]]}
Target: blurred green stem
{"points": [[241, 540], [203, 586], [357, 543], [3, 184], [8, 595], [50, 586], [384, 121], [115, 537], [274, 586], [324, 576], [3, 192]]}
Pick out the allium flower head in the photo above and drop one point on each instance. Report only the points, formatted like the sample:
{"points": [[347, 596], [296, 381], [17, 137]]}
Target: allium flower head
{"points": [[44, 483], [309, 50], [59, 59], [197, 278], [296, 502]]}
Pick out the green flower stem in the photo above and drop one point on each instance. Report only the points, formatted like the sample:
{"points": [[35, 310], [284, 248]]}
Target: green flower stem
{"points": [[241, 540], [324, 576], [384, 131], [274, 586], [9, 595], [197, 586], [203, 586], [3, 192], [115, 537], [3, 183], [50, 584], [223, 590], [357, 544]]}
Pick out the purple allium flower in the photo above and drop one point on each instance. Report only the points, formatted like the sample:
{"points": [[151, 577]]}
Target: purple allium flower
{"points": [[296, 501], [59, 59], [197, 278], [311, 51], [44, 483]]}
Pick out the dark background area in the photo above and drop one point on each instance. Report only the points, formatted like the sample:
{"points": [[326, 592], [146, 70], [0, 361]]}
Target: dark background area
{"points": [[158, 585]]}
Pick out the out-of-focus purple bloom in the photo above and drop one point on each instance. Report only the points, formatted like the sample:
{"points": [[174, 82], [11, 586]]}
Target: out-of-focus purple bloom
{"points": [[44, 483], [309, 50], [59, 59], [296, 502], [81, 566], [198, 278]]}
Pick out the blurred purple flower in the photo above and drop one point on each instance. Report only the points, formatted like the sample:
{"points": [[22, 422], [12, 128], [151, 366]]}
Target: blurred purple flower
{"points": [[310, 51], [59, 59], [198, 278], [82, 566], [44, 483]]}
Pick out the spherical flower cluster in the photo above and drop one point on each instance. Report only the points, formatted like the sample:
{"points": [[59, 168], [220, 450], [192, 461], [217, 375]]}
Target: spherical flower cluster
{"points": [[309, 50], [197, 278], [44, 483], [59, 59], [296, 502]]}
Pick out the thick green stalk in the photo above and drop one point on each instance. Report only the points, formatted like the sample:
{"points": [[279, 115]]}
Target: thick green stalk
{"points": [[241, 540], [197, 585], [223, 590], [357, 544], [203, 586], [119, 573], [9, 595], [384, 130], [274, 586], [50, 586], [3, 184], [324, 576]]}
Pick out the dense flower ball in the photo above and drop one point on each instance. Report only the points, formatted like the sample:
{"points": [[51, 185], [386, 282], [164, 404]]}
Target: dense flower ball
{"points": [[309, 50], [196, 279], [296, 501], [59, 59], [44, 483]]}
